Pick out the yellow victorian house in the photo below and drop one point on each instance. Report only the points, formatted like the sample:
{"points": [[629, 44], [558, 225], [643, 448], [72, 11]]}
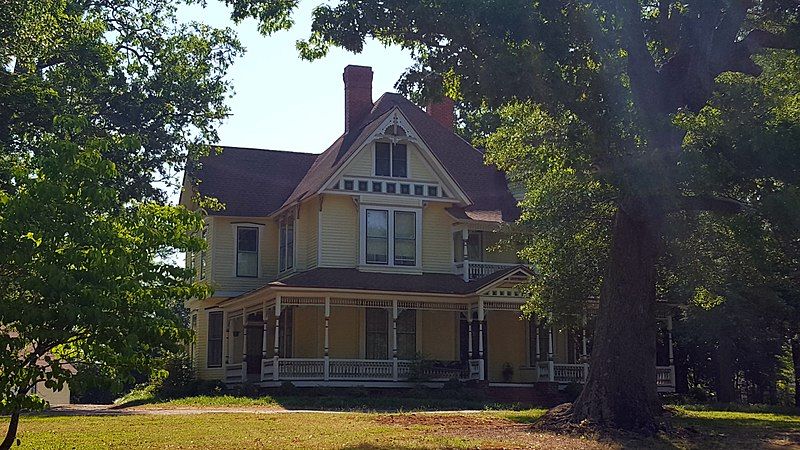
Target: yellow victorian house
{"points": [[372, 263]]}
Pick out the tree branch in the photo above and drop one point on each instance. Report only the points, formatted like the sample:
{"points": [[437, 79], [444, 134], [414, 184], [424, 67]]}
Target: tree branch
{"points": [[721, 205]]}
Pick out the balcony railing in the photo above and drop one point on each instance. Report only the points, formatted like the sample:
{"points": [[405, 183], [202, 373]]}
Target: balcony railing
{"points": [[473, 270]]}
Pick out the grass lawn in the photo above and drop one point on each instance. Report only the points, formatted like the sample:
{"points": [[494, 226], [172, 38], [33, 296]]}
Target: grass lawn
{"points": [[694, 428]]}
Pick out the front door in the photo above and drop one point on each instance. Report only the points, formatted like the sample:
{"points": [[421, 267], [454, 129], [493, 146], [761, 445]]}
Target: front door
{"points": [[255, 336]]}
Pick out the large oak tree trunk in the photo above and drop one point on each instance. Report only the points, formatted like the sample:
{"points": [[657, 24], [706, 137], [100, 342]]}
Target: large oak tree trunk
{"points": [[620, 391], [11, 434]]}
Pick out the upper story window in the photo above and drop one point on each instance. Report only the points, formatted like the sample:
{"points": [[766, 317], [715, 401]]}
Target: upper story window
{"points": [[391, 160], [246, 251], [377, 236], [391, 236], [286, 244]]}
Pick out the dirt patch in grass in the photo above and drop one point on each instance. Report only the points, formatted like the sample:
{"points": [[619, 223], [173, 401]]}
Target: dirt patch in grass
{"points": [[493, 432]]}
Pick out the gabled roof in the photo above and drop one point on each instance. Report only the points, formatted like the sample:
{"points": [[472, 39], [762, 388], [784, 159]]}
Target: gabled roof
{"points": [[251, 182], [254, 182], [484, 185]]}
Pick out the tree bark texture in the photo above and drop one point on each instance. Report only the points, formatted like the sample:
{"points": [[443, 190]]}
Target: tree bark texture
{"points": [[11, 433], [725, 372], [620, 391]]}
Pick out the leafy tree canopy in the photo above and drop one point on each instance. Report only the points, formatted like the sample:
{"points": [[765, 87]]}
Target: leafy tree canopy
{"points": [[101, 103], [614, 127]]}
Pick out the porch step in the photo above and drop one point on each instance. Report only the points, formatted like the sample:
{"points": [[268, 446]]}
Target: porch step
{"points": [[540, 394]]}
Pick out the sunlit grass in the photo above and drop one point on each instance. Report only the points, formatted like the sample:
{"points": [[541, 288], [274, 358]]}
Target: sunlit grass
{"points": [[505, 429]]}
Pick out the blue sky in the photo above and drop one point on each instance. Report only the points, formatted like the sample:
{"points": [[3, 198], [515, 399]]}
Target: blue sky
{"points": [[282, 102]]}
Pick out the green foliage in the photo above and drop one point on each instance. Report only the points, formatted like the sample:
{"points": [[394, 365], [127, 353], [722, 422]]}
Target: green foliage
{"points": [[129, 68], [83, 275], [102, 103]]}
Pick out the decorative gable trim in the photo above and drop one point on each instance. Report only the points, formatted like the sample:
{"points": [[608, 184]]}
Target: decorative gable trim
{"points": [[518, 276], [396, 118]]}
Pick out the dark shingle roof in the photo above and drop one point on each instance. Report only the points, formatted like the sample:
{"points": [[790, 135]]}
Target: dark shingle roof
{"points": [[485, 186], [259, 182], [354, 279], [251, 182]]}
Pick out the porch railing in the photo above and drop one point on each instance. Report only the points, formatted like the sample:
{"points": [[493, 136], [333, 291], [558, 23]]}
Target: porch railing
{"points": [[234, 373], [577, 373], [665, 376], [363, 370], [473, 270]]}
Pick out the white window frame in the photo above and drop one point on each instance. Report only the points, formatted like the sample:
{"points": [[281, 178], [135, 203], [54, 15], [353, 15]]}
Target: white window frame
{"points": [[258, 229], [221, 340], [283, 253], [362, 219], [391, 160]]}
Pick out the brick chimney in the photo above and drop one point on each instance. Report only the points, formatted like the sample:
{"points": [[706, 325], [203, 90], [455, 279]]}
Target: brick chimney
{"points": [[357, 95], [442, 112]]}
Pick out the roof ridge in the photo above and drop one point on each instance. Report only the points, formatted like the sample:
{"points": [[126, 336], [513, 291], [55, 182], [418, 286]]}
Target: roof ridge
{"points": [[264, 150]]}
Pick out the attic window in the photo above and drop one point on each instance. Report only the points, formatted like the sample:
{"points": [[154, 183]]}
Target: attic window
{"points": [[391, 160]]}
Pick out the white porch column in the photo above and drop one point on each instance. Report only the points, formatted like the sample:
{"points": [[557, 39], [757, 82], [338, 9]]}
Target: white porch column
{"points": [[464, 239], [327, 366], [277, 347], [550, 364], [584, 356], [470, 350], [394, 339], [481, 316], [244, 345], [536, 330], [264, 329]]}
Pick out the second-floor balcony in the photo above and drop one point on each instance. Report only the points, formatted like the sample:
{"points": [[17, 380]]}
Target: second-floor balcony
{"points": [[474, 270]]}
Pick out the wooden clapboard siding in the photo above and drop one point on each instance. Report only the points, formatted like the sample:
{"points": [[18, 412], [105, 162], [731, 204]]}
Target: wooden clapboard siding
{"points": [[437, 240], [339, 232], [223, 254], [307, 235], [200, 359]]}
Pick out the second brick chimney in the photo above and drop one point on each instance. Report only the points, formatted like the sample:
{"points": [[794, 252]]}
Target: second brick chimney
{"points": [[443, 112], [357, 95]]}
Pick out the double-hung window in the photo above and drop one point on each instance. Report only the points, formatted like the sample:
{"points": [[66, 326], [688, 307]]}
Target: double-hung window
{"points": [[246, 251], [286, 246], [391, 160], [377, 335], [377, 236], [391, 237], [405, 238], [214, 356], [407, 334]]}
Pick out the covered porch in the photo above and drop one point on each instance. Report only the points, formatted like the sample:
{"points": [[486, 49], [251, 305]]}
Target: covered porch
{"points": [[399, 340]]}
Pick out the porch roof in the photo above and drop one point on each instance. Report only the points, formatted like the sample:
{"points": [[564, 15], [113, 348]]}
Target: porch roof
{"points": [[427, 283], [356, 280]]}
